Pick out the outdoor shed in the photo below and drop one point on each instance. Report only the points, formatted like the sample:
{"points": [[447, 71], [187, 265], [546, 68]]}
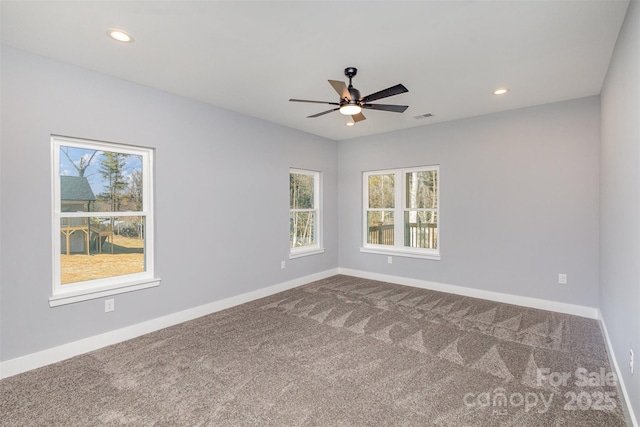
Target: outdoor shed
{"points": [[76, 195]]}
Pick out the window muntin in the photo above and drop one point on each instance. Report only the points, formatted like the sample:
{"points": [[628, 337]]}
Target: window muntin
{"points": [[103, 217], [401, 212], [304, 212]]}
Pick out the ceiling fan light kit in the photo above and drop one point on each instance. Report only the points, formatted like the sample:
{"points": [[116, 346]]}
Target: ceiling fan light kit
{"points": [[352, 104], [350, 109]]}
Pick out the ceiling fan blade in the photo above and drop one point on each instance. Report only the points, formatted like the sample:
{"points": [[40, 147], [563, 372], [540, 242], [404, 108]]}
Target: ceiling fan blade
{"points": [[323, 113], [341, 88], [358, 117], [386, 107], [390, 91], [315, 102]]}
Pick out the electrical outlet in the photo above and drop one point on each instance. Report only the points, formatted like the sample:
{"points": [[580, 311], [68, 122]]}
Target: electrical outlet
{"points": [[109, 305], [389, 260], [562, 279], [631, 360], [282, 265]]}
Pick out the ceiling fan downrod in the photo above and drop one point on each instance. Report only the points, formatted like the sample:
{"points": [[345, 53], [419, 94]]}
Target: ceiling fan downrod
{"points": [[355, 93]]}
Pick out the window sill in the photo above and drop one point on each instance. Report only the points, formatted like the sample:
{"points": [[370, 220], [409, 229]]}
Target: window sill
{"points": [[401, 253], [302, 253], [77, 296]]}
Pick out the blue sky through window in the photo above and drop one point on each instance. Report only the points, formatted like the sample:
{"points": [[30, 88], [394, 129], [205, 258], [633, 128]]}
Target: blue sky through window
{"points": [[92, 172]]}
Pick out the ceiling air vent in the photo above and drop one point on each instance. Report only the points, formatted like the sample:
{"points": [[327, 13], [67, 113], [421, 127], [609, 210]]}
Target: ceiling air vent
{"points": [[423, 116]]}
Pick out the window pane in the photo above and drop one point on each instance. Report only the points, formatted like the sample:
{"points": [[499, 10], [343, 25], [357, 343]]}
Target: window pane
{"points": [[380, 227], [97, 248], [421, 229], [302, 229], [301, 191], [422, 189], [381, 191], [99, 181]]}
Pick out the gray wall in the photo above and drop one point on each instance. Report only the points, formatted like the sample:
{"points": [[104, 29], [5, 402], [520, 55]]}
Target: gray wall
{"points": [[519, 200], [221, 198], [620, 201]]}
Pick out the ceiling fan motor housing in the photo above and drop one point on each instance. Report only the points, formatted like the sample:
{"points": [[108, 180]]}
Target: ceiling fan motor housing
{"points": [[355, 95]]}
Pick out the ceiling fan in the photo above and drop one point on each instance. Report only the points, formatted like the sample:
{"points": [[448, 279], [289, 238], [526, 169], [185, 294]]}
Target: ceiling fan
{"points": [[351, 103]]}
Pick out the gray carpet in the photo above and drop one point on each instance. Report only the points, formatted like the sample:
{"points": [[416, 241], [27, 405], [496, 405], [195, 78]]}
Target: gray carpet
{"points": [[338, 352]]}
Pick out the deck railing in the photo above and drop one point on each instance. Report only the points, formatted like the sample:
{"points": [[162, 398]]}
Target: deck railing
{"points": [[381, 234], [95, 233], [74, 222], [422, 235]]}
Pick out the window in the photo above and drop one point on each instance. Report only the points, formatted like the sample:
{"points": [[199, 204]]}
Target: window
{"points": [[304, 213], [102, 219], [401, 212]]}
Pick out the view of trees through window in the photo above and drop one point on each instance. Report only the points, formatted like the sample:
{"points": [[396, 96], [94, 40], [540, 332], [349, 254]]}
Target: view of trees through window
{"points": [[420, 216], [380, 216], [303, 209], [418, 207], [111, 240]]}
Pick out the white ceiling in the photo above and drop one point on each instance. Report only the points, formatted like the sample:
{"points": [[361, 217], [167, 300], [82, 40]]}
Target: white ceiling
{"points": [[251, 57]]}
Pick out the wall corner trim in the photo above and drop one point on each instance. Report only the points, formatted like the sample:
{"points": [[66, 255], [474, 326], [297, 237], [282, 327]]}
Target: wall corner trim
{"points": [[616, 367]]}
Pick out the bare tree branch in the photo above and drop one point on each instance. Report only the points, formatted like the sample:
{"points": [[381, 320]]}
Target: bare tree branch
{"points": [[81, 167]]}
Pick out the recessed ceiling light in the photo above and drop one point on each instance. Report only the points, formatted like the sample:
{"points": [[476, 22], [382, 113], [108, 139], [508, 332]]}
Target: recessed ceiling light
{"points": [[350, 123], [120, 36], [500, 91]]}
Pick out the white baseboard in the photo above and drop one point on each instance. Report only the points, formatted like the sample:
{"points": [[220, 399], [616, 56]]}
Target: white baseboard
{"points": [[559, 307], [66, 351], [616, 367]]}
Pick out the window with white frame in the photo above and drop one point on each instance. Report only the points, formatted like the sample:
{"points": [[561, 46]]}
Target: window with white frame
{"points": [[400, 212], [102, 219], [305, 231]]}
